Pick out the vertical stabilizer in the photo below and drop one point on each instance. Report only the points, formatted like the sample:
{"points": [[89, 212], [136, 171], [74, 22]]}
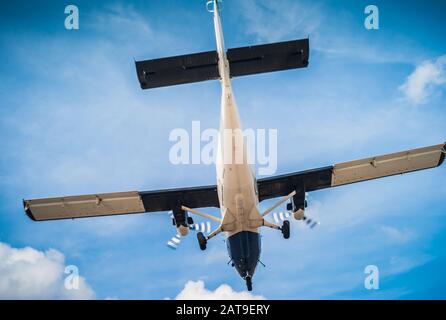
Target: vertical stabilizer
{"points": [[215, 7]]}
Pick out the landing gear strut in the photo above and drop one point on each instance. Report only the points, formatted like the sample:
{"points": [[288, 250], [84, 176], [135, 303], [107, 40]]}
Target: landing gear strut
{"points": [[202, 240], [286, 229], [248, 280]]}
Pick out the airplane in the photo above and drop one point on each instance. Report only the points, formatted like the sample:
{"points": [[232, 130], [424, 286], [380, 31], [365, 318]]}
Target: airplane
{"points": [[237, 193]]}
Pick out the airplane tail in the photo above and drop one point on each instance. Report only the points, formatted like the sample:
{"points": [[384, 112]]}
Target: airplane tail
{"points": [[203, 66]]}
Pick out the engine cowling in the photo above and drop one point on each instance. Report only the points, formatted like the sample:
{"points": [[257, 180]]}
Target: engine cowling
{"points": [[180, 218], [297, 205], [183, 231], [299, 214]]}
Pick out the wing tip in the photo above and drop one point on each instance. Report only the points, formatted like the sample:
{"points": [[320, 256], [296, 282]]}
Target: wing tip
{"points": [[442, 156], [28, 211]]}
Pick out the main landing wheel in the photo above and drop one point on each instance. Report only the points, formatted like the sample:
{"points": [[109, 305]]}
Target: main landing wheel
{"points": [[248, 283], [286, 229], [201, 240]]}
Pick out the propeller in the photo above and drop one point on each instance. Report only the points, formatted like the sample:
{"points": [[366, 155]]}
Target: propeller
{"points": [[282, 216], [175, 241]]}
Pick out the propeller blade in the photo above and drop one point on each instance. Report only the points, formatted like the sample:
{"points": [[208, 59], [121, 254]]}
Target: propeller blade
{"points": [[204, 227], [174, 242], [275, 217], [282, 216]]}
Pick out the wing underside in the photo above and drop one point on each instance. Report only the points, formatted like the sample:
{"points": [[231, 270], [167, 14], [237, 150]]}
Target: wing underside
{"points": [[387, 165], [351, 172], [117, 203]]}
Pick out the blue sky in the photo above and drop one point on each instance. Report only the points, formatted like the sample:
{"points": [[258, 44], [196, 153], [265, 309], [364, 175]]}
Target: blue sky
{"points": [[73, 120]]}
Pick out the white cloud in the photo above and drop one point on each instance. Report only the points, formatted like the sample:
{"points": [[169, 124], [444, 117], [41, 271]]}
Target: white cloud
{"points": [[271, 20], [118, 17], [195, 290], [398, 235], [27, 273], [401, 264], [423, 82]]}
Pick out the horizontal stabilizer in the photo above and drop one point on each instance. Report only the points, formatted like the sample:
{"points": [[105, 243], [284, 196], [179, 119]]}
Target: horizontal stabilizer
{"points": [[268, 57], [177, 70], [203, 66]]}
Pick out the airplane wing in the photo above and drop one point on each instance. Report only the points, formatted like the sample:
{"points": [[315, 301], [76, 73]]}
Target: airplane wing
{"points": [[116, 203], [350, 172]]}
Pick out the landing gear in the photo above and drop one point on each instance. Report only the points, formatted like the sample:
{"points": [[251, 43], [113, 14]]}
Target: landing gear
{"points": [[286, 229], [201, 240], [248, 280]]}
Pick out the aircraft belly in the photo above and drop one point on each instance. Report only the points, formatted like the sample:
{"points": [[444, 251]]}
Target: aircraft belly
{"points": [[239, 201], [235, 178]]}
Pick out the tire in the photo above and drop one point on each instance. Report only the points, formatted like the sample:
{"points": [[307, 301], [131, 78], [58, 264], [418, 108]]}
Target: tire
{"points": [[201, 240], [190, 221], [249, 283], [286, 229]]}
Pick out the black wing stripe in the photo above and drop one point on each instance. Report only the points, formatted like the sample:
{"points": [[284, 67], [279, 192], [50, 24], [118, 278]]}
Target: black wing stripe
{"points": [[169, 199], [303, 181]]}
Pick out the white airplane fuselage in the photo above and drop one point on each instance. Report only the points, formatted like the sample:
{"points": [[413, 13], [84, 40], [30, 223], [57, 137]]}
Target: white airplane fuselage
{"points": [[236, 182]]}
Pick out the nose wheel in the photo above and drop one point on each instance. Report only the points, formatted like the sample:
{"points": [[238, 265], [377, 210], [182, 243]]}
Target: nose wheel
{"points": [[248, 280], [286, 229], [201, 240]]}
